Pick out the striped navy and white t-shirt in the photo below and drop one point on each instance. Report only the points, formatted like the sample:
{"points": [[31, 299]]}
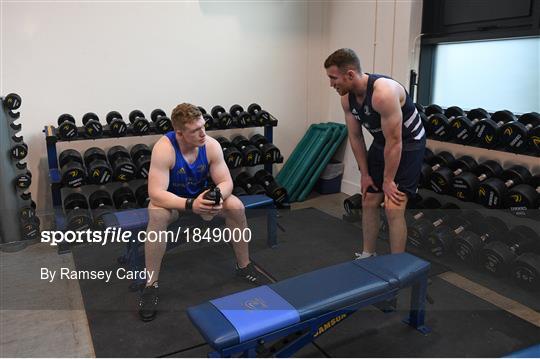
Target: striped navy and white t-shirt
{"points": [[412, 131]]}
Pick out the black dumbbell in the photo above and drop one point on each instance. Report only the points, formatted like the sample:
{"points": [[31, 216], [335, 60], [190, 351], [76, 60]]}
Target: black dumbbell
{"points": [[203, 111], [209, 122], [240, 117], [422, 209], [443, 158], [462, 127], [468, 244], [273, 189], [488, 130], [493, 191], [441, 240], [67, 129], [353, 204], [269, 152], [27, 211], [239, 191], [12, 101], [497, 257], [465, 186], [72, 171], [251, 154], [418, 231], [101, 204], [525, 195], [534, 140], [433, 109], [76, 209], [163, 123], [515, 134], [233, 156], [20, 149], [222, 118], [441, 180], [526, 271], [141, 126], [30, 230], [121, 163], [117, 125], [124, 198], [92, 127], [99, 170], [260, 117], [141, 155], [439, 124], [244, 180], [140, 189], [23, 180]]}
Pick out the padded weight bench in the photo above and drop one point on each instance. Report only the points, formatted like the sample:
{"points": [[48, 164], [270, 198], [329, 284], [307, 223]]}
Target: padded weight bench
{"points": [[279, 319], [136, 220]]}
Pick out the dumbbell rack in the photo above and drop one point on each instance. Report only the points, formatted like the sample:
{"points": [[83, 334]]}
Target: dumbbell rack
{"points": [[52, 139]]}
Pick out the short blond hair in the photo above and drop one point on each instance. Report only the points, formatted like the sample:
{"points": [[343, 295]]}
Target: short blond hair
{"points": [[184, 114]]}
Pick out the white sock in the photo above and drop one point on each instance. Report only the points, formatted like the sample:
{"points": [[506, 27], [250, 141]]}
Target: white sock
{"points": [[365, 254]]}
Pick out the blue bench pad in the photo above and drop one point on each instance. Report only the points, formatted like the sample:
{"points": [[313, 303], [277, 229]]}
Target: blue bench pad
{"points": [[234, 319]]}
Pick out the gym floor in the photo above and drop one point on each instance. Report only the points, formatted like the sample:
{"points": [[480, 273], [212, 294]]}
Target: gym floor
{"points": [[65, 331]]}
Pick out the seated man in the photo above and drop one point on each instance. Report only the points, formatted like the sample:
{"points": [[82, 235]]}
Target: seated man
{"points": [[182, 162]]}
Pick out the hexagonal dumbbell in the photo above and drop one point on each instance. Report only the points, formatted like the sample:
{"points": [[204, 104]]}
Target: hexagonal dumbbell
{"points": [[140, 124], [441, 180], [465, 185], [488, 130], [117, 125], [99, 170], [163, 123], [67, 129], [72, 171], [497, 257], [525, 195], [493, 191], [515, 134], [462, 127], [92, 127], [468, 244]]}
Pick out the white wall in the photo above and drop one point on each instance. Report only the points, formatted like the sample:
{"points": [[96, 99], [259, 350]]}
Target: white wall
{"points": [[75, 57]]}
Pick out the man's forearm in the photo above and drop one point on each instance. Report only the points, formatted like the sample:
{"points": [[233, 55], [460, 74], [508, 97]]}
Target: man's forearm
{"points": [[392, 157], [166, 199], [360, 153]]}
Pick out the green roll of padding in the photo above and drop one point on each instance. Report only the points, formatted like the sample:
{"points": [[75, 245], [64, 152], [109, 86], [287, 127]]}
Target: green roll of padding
{"points": [[321, 134], [300, 147], [306, 176], [342, 134]]}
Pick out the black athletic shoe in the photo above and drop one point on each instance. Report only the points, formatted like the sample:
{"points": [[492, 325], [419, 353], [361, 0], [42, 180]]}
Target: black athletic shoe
{"points": [[252, 275], [148, 303]]}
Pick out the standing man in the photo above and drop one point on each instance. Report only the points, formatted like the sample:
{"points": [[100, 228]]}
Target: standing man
{"points": [[182, 162], [390, 170]]}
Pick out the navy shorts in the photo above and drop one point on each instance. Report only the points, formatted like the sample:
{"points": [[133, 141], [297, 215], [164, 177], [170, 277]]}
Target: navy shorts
{"points": [[407, 175]]}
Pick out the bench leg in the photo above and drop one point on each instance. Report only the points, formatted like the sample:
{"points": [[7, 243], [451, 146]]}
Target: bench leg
{"points": [[271, 226], [418, 305]]}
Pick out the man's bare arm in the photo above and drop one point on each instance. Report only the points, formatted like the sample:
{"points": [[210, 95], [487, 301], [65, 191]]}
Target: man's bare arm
{"points": [[356, 137], [163, 158], [218, 167]]}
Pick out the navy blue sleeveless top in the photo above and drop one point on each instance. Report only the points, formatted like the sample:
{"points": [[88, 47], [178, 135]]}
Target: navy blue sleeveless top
{"points": [[412, 131], [185, 179]]}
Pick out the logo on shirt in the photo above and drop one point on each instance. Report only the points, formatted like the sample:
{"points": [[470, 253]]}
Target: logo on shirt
{"points": [[201, 168], [367, 110], [181, 170], [354, 111]]}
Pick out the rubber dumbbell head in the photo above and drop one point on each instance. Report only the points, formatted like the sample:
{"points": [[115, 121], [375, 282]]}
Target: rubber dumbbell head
{"points": [[465, 186], [251, 154], [441, 240], [260, 117], [241, 117], [269, 152], [493, 191], [433, 109], [76, 209], [140, 124], [443, 158], [141, 194], [487, 131], [116, 123], [441, 180], [141, 156], [469, 244], [124, 198], [514, 134], [92, 127], [245, 181], [233, 156], [524, 196], [163, 123], [462, 127], [353, 204], [525, 271], [12, 101], [121, 163], [273, 189], [223, 119], [99, 170], [72, 171], [418, 231], [67, 129]]}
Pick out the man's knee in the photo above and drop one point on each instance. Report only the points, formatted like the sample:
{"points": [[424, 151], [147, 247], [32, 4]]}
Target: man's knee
{"points": [[372, 200], [394, 211], [233, 208], [159, 216]]}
